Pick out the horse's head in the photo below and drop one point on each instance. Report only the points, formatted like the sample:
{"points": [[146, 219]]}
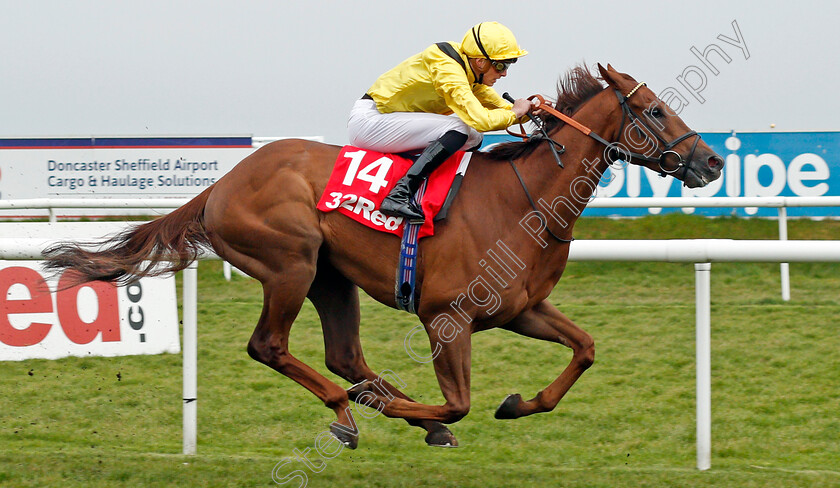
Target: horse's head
{"points": [[655, 137]]}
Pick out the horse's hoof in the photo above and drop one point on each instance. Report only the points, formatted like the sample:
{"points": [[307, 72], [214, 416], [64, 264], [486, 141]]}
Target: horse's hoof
{"points": [[507, 410], [348, 439], [441, 438]]}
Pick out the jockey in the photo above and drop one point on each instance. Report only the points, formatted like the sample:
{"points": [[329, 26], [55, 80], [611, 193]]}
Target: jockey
{"points": [[409, 107]]}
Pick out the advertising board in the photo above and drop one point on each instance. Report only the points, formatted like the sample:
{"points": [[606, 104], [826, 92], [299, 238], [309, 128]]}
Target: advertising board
{"points": [[47, 320], [757, 164], [116, 167]]}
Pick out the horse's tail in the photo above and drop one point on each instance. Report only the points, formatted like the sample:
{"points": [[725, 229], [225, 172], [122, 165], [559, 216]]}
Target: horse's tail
{"points": [[164, 245]]}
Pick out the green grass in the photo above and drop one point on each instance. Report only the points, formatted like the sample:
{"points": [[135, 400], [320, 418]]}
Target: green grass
{"points": [[629, 421]]}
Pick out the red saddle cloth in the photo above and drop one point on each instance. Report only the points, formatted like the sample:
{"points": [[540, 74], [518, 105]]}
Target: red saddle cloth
{"points": [[361, 179]]}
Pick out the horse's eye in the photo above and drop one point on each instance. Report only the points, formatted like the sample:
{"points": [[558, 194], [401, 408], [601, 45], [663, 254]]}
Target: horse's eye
{"points": [[657, 113]]}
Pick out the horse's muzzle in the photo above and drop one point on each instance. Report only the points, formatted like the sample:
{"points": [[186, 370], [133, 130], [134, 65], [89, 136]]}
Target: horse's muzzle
{"points": [[703, 169]]}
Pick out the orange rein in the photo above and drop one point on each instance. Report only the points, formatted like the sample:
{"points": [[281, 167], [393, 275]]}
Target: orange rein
{"points": [[565, 118], [548, 108]]}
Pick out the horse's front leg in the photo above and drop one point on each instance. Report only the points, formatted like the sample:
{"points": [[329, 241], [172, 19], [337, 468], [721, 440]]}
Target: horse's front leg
{"points": [[451, 352], [337, 301], [547, 323]]}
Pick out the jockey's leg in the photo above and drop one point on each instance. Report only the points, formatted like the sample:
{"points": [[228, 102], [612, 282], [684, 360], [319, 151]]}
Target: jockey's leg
{"points": [[398, 132], [399, 203]]}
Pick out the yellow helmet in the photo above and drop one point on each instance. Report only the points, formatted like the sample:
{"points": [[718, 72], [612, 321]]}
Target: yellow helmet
{"points": [[493, 41]]}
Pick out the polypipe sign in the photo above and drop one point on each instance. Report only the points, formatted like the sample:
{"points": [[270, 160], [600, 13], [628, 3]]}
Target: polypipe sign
{"points": [[758, 164], [47, 320]]}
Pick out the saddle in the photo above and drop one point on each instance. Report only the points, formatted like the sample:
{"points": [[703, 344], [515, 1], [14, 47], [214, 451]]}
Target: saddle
{"points": [[361, 179]]}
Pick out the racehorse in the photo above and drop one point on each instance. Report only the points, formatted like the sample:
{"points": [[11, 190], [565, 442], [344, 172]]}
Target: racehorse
{"points": [[262, 218]]}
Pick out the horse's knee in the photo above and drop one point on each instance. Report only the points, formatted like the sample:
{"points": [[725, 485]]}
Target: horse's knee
{"points": [[337, 367], [586, 356], [345, 365], [273, 357], [455, 411], [255, 351]]}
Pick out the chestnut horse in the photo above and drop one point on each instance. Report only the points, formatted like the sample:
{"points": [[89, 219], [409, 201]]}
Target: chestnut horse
{"points": [[262, 218]]}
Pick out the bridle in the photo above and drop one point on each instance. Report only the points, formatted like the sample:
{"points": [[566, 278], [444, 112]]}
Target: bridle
{"points": [[616, 151], [667, 147]]}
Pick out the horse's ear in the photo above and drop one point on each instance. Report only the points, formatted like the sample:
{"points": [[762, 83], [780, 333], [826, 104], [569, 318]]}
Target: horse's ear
{"points": [[602, 70], [607, 73]]}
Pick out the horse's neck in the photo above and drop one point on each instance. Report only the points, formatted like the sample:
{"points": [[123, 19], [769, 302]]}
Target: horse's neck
{"points": [[563, 193]]}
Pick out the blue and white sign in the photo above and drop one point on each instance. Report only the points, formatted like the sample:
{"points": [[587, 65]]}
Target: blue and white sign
{"points": [[116, 167], [757, 164]]}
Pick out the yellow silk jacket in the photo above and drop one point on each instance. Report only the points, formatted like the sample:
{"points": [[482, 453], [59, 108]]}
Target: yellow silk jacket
{"points": [[433, 82]]}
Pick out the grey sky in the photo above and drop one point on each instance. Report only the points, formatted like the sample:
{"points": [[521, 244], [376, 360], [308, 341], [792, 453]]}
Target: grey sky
{"points": [[279, 68]]}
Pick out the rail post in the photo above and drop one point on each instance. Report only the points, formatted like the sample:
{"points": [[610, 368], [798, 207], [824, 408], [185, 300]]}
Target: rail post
{"points": [[702, 273], [190, 355], [784, 268]]}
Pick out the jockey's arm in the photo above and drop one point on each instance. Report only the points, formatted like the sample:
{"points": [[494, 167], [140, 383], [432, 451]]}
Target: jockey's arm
{"points": [[479, 109], [491, 99]]}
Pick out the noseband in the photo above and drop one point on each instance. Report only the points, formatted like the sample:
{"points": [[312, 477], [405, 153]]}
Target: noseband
{"points": [[666, 147]]}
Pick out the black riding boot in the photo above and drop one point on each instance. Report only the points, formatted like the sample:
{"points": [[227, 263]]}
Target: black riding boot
{"points": [[399, 203]]}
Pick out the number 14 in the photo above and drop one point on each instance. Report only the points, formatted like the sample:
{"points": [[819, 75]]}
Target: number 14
{"points": [[377, 181]]}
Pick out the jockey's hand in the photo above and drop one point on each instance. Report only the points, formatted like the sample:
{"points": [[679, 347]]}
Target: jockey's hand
{"points": [[536, 108], [521, 107]]}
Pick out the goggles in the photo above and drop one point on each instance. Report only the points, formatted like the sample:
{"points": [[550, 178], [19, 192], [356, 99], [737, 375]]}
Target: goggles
{"points": [[502, 66]]}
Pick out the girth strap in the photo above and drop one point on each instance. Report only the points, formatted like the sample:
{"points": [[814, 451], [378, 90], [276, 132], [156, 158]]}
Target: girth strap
{"points": [[405, 292]]}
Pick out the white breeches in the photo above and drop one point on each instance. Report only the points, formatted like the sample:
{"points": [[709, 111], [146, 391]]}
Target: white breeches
{"points": [[402, 131]]}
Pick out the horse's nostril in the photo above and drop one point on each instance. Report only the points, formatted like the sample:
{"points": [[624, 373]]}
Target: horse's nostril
{"points": [[715, 161]]}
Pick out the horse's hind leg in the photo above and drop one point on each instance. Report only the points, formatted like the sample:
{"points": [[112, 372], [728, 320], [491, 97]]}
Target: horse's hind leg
{"points": [[261, 218], [269, 344], [546, 323], [337, 301]]}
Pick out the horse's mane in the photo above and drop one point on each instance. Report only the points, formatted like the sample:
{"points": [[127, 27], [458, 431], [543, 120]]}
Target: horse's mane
{"points": [[574, 89]]}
